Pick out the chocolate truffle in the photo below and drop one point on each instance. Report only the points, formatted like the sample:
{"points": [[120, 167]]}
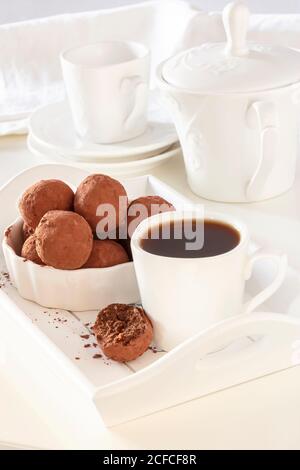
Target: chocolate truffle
{"points": [[123, 331], [143, 207], [27, 231], [106, 253], [29, 250], [101, 189], [64, 240], [44, 196], [125, 243]]}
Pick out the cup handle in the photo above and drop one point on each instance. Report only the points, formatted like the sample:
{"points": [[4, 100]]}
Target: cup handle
{"points": [[135, 86], [264, 113], [268, 291]]}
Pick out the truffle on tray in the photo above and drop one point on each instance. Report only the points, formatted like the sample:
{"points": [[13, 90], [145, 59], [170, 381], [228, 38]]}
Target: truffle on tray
{"points": [[123, 332]]}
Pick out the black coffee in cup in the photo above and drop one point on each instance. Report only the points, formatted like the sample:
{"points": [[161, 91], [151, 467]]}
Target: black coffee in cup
{"points": [[190, 238]]}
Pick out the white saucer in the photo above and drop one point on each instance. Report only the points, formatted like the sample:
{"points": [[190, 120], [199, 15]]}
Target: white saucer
{"points": [[123, 168], [52, 126]]}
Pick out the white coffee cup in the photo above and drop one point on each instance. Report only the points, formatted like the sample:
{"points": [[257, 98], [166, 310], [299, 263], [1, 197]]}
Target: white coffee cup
{"points": [[183, 296], [107, 87]]}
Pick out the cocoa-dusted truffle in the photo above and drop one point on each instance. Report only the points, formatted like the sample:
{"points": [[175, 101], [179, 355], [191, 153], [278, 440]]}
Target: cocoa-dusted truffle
{"points": [[27, 231], [29, 250], [143, 207], [64, 240], [125, 243], [123, 331], [106, 253], [101, 189], [44, 196]]}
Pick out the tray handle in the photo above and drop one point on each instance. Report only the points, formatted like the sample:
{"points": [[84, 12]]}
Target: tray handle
{"points": [[189, 371]]}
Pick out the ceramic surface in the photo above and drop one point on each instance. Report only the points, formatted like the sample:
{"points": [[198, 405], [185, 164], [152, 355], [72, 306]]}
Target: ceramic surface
{"points": [[238, 134], [118, 168], [82, 289], [107, 87], [52, 127], [195, 293]]}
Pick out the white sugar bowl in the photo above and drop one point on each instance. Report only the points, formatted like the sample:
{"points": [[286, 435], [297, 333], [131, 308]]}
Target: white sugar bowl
{"points": [[236, 110]]}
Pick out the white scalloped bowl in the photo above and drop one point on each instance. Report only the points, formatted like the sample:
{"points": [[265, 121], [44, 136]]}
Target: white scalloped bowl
{"points": [[78, 290]]}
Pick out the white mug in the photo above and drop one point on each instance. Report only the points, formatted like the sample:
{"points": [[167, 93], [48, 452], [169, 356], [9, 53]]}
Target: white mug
{"points": [[183, 296], [107, 87]]}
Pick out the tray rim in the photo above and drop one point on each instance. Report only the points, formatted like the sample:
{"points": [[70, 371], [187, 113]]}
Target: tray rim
{"points": [[180, 350]]}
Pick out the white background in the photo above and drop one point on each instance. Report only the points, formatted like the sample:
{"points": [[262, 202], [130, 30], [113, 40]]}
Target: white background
{"points": [[18, 10]]}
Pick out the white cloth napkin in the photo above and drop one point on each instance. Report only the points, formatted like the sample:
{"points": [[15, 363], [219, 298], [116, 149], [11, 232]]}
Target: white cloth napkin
{"points": [[30, 74]]}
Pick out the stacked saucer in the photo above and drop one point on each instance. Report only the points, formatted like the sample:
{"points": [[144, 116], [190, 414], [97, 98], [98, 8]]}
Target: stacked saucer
{"points": [[52, 136]]}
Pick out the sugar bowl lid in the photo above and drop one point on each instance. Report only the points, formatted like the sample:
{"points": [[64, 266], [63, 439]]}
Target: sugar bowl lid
{"points": [[234, 66]]}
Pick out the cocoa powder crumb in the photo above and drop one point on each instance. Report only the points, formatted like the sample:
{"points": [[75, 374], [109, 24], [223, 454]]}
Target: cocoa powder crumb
{"points": [[155, 349], [97, 356], [87, 346], [84, 336]]}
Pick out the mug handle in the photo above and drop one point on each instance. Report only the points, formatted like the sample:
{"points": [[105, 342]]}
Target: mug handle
{"points": [[137, 87], [263, 112], [268, 291]]}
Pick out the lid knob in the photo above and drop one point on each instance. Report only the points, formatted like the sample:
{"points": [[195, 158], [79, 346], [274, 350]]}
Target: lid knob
{"points": [[235, 20]]}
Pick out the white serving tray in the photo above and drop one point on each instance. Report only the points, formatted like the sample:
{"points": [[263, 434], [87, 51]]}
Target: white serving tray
{"points": [[40, 347]]}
